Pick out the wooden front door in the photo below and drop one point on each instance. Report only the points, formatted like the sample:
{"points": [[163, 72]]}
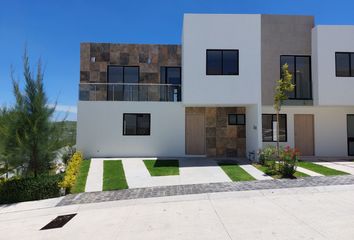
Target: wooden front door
{"points": [[195, 134], [304, 134]]}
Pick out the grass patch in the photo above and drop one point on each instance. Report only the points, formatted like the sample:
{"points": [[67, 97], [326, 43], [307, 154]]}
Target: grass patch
{"points": [[235, 172], [80, 183], [275, 174], [320, 169], [162, 167], [113, 175]]}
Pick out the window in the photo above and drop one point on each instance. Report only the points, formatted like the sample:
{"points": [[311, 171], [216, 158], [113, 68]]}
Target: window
{"points": [[237, 119], [120, 75], [269, 127], [344, 64], [222, 62], [300, 68], [171, 76], [136, 124]]}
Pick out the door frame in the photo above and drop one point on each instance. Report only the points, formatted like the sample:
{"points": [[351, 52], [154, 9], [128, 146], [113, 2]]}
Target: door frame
{"points": [[348, 138], [204, 139], [313, 130]]}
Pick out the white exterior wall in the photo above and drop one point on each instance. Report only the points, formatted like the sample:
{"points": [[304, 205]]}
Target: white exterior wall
{"points": [[327, 88], [221, 31], [100, 129], [253, 129], [330, 127]]}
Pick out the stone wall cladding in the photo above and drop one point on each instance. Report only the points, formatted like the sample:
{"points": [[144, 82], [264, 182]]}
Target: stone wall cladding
{"points": [[221, 139], [149, 58]]}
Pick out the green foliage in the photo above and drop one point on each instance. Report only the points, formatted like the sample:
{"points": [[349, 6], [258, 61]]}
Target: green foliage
{"points": [[283, 87], [283, 165], [28, 189], [81, 178], [71, 171], [235, 172], [31, 138], [320, 169], [162, 167], [113, 175]]}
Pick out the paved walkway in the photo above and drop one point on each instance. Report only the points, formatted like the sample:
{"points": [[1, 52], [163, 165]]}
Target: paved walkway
{"points": [[254, 172], [94, 180], [297, 213], [163, 191], [308, 172], [191, 171], [344, 166]]}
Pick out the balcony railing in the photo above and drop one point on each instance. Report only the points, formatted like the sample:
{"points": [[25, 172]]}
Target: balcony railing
{"points": [[129, 92]]}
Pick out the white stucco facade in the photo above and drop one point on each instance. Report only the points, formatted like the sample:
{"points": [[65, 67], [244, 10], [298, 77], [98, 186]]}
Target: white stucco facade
{"points": [[221, 31], [100, 129], [330, 90], [330, 128]]}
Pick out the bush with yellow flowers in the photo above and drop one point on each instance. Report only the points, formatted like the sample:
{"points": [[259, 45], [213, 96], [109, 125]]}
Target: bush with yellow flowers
{"points": [[72, 171]]}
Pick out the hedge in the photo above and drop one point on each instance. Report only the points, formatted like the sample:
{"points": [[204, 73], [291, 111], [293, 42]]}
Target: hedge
{"points": [[72, 171], [29, 189]]}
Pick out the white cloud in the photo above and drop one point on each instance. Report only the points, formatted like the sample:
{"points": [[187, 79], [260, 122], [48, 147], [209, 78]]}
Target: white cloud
{"points": [[64, 108]]}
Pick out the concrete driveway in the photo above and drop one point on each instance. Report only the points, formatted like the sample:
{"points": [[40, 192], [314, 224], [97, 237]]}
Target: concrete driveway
{"points": [[298, 213]]}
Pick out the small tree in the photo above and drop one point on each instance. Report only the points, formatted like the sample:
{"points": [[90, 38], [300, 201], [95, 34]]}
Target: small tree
{"points": [[34, 137], [282, 88]]}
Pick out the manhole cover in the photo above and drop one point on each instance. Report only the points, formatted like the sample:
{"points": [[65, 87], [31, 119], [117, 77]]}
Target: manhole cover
{"points": [[59, 221]]}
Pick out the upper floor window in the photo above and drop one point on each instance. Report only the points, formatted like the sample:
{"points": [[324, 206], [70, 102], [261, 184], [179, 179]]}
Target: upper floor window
{"points": [[116, 76], [300, 68], [136, 124], [170, 75], [344, 64], [222, 62]]}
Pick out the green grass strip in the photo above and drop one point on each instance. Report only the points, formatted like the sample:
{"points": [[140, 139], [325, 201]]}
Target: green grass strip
{"points": [[275, 174], [162, 167], [113, 175], [320, 169], [235, 172], [81, 177]]}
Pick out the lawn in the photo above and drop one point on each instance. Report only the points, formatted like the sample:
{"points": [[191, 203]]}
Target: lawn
{"points": [[235, 172], [320, 169], [276, 175], [162, 167], [113, 175], [81, 177]]}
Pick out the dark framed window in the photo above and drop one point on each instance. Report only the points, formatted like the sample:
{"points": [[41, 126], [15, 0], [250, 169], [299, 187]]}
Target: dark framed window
{"points": [[136, 124], [222, 62], [120, 75], [171, 76], [237, 119], [344, 64], [300, 68], [269, 127]]}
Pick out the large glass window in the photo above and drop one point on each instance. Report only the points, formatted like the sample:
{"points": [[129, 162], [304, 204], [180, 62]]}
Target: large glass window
{"points": [[122, 74], [237, 119], [222, 62], [344, 64], [136, 124], [172, 77], [269, 128], [300, 68]]}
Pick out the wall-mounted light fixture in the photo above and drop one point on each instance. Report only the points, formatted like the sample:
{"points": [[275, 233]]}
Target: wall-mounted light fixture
{"points": [[93, 59]]}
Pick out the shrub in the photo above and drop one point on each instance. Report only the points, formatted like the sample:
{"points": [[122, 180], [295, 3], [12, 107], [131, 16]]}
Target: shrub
{"points": [[288, 161], [28, 189], [268, 156], [71, 171]]}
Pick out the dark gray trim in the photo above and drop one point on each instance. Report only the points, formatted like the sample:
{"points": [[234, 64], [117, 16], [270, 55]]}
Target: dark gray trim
{"points": [[222, 62], [136, 119]]}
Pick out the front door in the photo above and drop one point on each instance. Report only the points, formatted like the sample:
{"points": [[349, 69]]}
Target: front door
{"points": [[304, 134], [350, 134], [195, 134]]}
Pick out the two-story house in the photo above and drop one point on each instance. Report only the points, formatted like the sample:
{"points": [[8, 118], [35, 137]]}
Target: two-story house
{"points": [[213, 94]]}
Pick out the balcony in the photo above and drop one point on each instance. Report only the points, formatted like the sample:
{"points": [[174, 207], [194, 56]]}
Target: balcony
{"points": [[129, 92]]}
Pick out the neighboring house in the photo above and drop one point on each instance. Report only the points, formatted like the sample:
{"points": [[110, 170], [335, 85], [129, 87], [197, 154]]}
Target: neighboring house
{"points": [[213, 94]]}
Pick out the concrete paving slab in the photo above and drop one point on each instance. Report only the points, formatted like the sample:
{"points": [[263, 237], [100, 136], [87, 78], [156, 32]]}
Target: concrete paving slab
{"points": [[308, 172], [94, 180]]}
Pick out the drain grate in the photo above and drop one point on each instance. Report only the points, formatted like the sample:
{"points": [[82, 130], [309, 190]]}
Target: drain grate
{"points": [[59, 221]]}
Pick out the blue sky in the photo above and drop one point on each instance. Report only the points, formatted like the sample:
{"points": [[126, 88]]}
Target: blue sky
{"points": [[53, 30]]}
